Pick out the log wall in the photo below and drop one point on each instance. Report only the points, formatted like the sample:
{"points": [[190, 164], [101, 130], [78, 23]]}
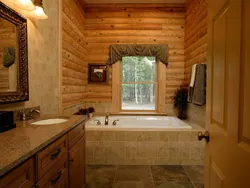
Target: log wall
{"points": [[196, 35], [140, 24], [74, 64], [195, 50]]}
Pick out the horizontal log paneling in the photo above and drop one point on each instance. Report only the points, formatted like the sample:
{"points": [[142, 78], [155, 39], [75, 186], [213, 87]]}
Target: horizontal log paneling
{"points": [[196, 35], [74, 65], [136, 5], [117, 33], [137, 9], [124, 26], [124, 14], [135, 21], [140, 24]]}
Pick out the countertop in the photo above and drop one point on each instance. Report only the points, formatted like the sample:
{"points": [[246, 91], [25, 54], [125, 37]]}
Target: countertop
{"points": [[21, 143]]}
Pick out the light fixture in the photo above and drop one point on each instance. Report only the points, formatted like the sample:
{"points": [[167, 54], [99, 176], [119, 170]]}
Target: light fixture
{"points": [[25, 4], [39, 11]]}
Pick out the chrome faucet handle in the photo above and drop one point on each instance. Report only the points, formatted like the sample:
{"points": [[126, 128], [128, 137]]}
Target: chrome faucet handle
{"points": [[114, 122], [34, 110], [98, 121], [22, 115]]}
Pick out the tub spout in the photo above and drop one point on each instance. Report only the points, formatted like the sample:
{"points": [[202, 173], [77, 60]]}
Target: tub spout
{"points": [[107, 119]]}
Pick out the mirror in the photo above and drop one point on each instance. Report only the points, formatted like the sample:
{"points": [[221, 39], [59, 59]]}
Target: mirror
{"points": [[13, 56], [8, 56]]}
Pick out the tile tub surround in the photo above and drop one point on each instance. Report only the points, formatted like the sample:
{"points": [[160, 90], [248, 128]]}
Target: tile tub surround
{"points": [[143, 176], [144, 147], [20, 143]]}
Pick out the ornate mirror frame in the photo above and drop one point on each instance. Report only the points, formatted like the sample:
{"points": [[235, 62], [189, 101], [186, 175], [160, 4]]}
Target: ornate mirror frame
{"points": [[22, 92]]}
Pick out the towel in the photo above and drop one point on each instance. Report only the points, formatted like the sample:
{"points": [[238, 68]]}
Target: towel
{"points": [[199, 89], [193, 74], [191, 85]]}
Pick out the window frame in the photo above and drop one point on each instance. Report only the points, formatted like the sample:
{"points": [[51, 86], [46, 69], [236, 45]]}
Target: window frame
{"points": [[156, 83], [161, 77]]}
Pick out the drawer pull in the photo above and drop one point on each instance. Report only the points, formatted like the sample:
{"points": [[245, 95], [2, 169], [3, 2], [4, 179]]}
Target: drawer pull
{"points": [[54, 180], [56, 153]]}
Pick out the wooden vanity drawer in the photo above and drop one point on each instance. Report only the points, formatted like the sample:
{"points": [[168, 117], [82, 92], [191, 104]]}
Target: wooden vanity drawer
{"points": [[21, 177], [50, 155], [57, 176], [76, 134]]}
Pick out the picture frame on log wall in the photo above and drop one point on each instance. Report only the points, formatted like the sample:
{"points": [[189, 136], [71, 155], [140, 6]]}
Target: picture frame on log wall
{"points": [[97, 74]]}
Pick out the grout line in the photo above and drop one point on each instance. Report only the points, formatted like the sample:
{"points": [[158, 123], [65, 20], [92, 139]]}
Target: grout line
{"points": [[188, 176], [152, 175], [115, 175]]}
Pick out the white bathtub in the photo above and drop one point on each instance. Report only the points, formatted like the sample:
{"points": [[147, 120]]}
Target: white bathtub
{"points": [[138, 122]]}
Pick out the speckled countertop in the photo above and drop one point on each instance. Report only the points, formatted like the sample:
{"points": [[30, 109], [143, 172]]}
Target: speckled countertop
{"points": [[20, 143]]}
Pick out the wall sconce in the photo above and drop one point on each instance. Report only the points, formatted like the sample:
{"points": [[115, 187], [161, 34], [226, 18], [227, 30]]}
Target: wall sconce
{"points": [[36, 7], [25, 5], [39, 11]]}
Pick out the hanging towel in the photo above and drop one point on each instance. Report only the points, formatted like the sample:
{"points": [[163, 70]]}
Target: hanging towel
{"points": [[192, 82], [199, 89], [193, 74]]}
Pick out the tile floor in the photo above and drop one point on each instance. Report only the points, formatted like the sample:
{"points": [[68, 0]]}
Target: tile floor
{"points": [[169, 176]]}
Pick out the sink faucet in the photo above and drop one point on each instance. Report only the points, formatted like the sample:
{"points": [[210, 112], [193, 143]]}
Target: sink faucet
{"points": [[24, 117], [107, 119]]}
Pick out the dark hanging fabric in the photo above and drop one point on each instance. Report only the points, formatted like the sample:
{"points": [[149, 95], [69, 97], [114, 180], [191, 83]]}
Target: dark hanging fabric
{"points": [[9, 56], [199, 90], [117, 51]]}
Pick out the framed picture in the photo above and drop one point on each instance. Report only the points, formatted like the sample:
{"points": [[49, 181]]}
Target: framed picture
{"points": [[98, 74]]}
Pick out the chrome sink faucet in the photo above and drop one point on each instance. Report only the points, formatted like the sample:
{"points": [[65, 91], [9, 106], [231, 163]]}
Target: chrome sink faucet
{"points": [[107, 119], [25, 117]]}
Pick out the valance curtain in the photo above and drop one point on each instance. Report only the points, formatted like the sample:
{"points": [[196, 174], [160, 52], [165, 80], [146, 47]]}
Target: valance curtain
{"points": [[117, 51]]}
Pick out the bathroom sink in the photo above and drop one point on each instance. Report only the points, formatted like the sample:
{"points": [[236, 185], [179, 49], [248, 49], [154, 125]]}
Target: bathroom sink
{"points": [[49, 121]]}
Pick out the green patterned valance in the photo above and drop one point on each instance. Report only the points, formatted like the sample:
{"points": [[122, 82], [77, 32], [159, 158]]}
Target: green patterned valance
{"points": [[117, 51]]}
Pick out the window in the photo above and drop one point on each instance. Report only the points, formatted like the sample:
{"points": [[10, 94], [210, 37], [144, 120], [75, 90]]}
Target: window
{"points": [[139, 83]]}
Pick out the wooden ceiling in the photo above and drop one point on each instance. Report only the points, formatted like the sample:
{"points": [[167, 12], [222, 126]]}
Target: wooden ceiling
{"points": [[134, 1]]}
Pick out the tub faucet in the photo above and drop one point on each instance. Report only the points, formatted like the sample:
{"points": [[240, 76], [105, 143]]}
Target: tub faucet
{"points": [[98, 121], [107, 119]]}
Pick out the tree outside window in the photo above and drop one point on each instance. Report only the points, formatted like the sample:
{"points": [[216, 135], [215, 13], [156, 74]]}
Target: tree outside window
{"points": [[138, 83]]}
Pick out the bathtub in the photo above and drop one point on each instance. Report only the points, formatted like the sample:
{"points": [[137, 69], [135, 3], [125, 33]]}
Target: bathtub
{"points": [[137, 122], [143, 140]]}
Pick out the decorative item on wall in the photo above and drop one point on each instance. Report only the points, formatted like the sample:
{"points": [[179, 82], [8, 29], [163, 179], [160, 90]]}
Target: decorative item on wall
{"points": [[98, 74], [14, 80]]}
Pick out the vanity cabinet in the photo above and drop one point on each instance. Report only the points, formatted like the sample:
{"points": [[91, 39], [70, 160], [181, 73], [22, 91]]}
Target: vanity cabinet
{"points": [[49, 156], [21, 177], [61, 164], [57, 176], [77, 164]]}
